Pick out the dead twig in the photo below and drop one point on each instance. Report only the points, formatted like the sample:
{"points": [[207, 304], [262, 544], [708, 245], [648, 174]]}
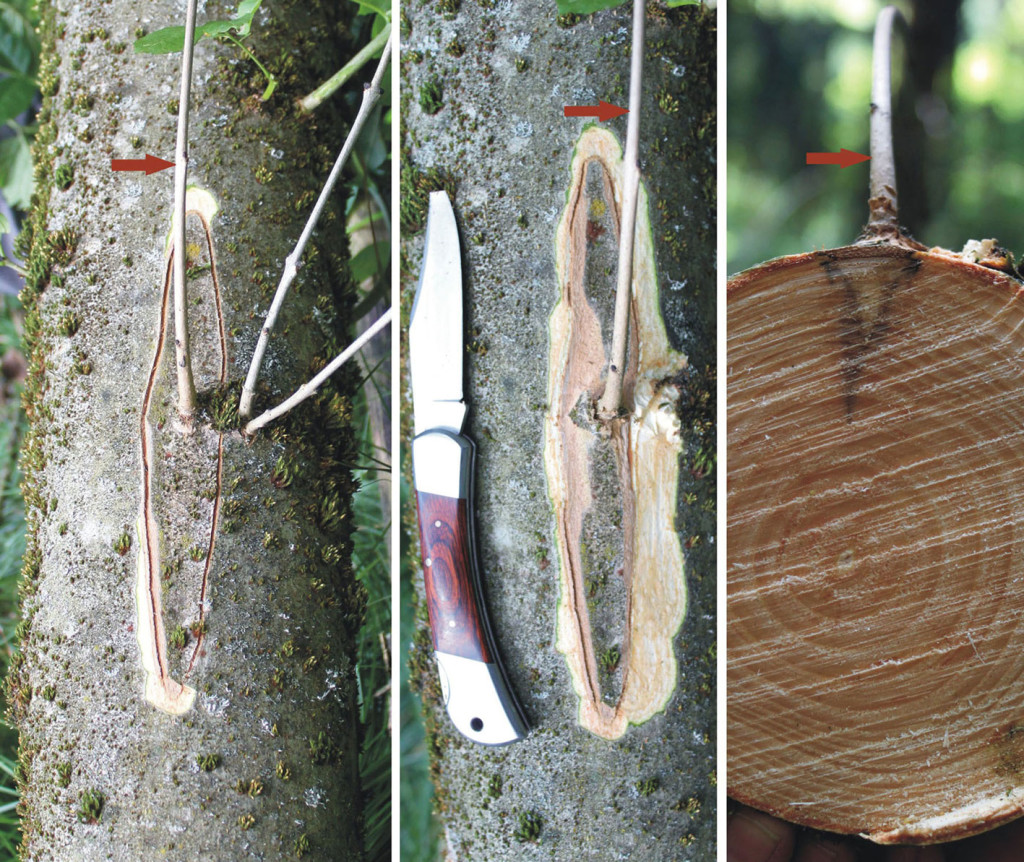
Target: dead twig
{"points": [[371, 94], [183, 356], [611, 401], [884, 220], [308, 389]]}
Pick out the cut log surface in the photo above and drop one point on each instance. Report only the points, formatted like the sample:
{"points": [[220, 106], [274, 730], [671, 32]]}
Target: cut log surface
{"points": [[876, 543]]}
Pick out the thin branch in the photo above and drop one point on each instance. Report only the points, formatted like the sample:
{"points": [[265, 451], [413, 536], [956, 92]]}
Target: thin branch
{"points": [[371, 94], [337, 80], [183, 357], [884, 221], [611, 401], [308, 389]]}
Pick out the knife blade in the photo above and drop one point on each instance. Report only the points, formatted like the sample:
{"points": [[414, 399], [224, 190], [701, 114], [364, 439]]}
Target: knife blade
{"points": [[474, 686]]}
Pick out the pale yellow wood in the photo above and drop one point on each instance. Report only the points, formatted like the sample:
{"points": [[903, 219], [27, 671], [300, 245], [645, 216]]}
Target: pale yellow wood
{"points": [[647, 446]]}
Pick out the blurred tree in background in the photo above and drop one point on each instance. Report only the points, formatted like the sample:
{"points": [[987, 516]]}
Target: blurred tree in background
{"points": [[799, 74]]}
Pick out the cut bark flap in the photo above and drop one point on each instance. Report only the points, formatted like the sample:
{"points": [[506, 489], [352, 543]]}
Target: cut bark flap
{"points": [[875, 517], [161, 690], [646, 447]]}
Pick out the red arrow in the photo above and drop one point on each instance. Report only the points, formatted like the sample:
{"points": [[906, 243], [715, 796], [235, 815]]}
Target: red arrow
{"points": [[150, 164], [602, 110], [844, 158]]}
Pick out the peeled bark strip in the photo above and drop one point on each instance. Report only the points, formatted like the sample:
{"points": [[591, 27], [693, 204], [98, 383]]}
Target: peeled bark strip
{"points": [[875, 518], [484, 89], [158, 560], [646, 455], [161, 690]]}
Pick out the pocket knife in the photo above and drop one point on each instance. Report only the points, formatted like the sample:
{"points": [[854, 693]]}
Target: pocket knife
{"points": [[476, 692]]}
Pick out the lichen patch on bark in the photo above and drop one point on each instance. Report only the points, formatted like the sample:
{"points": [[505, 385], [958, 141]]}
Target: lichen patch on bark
{"points": [[646, 447]]}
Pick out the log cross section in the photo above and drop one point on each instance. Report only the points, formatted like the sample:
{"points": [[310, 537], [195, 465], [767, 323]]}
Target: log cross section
{"points": [[875, 526]]}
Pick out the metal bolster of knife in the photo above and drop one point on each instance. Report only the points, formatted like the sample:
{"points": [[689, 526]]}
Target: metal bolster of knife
{"points": [[476, 693]]}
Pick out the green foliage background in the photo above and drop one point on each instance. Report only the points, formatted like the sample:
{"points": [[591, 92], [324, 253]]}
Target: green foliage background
{"points": [[12, 546], [19, 62], [799, 81]]}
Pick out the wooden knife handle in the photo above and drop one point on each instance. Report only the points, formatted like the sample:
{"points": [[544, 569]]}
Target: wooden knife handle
{"points": [[448, 575]]}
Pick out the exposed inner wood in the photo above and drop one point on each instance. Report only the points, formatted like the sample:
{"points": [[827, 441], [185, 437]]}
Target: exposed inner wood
{"points": [[605, 554], [645, 445], [875, 555], [161, 690]]}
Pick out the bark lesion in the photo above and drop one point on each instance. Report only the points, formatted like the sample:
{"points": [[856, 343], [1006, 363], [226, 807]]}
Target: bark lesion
{"points": [[613, 481], [161, 689]]}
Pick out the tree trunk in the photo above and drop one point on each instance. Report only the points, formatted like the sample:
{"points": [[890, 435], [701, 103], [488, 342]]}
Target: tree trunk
{"points": [[588, 609], [185, 687]]}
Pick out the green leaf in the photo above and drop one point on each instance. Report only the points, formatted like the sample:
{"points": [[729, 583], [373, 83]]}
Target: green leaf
{"points": [[364, 264], [352, 227], [370, 145], [374, 7], [242, 22], [165, 41], [15, 97], [247, 8], [379, 23], [25, 8], [674, 3], [19, 45], [219, 28], [170, 40], [585, 7], [16, 171]]}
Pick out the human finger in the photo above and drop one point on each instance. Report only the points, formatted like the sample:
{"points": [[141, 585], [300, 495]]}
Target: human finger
{"points": [[820, 847], [754, 836], [915, 854]]}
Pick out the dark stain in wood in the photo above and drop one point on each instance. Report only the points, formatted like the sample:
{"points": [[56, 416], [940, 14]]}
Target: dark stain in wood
{"points": [[864, 319]]}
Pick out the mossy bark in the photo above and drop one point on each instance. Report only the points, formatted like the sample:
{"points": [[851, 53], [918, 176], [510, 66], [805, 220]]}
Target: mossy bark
{"points": [[265, 764], [483, 96]]}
